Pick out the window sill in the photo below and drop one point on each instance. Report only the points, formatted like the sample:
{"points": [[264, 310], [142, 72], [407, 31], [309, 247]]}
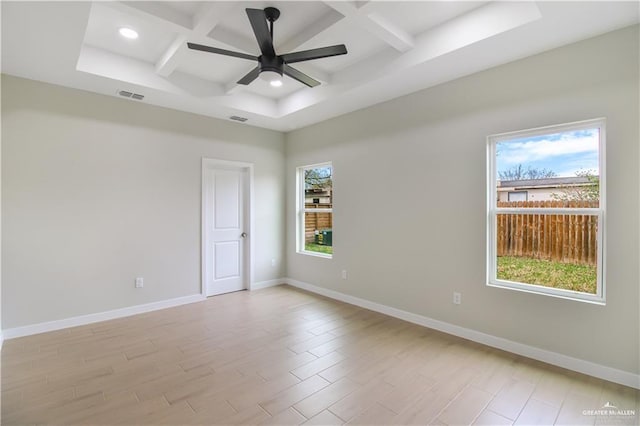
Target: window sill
{"points": [[576, 296], [314, 254]]}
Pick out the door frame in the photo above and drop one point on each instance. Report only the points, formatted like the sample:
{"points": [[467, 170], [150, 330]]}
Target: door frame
{"points": [[206, 214]]}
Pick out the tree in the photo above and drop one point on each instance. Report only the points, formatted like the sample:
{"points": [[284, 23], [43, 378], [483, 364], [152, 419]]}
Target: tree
{"points": [[318, 178], [588, 192], [520, 173]]}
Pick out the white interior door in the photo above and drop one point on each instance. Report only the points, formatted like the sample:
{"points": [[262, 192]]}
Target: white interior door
{"points": [[225, 229]]}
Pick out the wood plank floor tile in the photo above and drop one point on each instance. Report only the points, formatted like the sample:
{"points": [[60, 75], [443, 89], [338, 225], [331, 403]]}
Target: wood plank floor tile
{"points": [[465, 407], [286, 365], [285, 356], [260, 392], [291, 396], [326, 397], [374, 415], [324, 418], [489, 418], [288, 417], [360, 400], [537, 413], [317, 365], [512, 398], [424, 410], [405, 394]]}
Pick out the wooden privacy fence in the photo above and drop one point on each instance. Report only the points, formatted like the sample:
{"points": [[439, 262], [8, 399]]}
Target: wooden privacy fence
{"points": [[569, 238], [313, 221]]}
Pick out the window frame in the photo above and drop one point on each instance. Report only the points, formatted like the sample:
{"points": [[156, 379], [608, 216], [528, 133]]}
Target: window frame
{"points": [[493, 210], [301, 209]]}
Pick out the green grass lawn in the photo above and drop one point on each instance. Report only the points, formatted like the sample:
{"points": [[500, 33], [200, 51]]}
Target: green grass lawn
{"points": [[566, 276], [318, 248]]}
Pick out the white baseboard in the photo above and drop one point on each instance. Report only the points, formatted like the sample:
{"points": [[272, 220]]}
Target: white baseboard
{"points": [[43, 327], [265, 284], [575, 364], [28, 330]]}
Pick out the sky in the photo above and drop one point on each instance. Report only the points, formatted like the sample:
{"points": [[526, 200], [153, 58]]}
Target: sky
{"points": [[564, 153]]}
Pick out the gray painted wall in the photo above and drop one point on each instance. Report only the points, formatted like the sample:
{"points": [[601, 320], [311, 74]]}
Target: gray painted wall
{"points": [[411, 251], [97, 191]]}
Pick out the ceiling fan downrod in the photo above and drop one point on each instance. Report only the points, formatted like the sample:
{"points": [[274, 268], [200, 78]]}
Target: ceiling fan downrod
{"points": [[272, 14]]}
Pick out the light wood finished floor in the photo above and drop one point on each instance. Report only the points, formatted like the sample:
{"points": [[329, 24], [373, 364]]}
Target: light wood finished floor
{"points": [[283, 356]]}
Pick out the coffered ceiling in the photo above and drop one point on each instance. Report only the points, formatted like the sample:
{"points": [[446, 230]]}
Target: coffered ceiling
{"points": [[394, 48]]}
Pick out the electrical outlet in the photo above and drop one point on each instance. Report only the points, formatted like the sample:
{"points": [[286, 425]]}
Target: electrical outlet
{"points": [[457, 298], [139, 282], [344, 274]]}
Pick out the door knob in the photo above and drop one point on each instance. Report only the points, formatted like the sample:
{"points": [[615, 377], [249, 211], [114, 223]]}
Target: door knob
{"points": [[243, 235]]}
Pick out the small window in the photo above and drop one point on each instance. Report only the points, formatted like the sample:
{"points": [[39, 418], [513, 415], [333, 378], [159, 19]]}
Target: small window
{"points": [[315, 210], [517, 196], [549, 238]]}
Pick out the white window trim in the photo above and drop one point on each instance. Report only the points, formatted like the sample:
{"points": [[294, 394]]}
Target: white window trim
{"points": [[301, 209], [492, 212]]}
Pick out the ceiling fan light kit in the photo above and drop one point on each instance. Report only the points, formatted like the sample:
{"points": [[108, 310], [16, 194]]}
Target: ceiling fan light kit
{"points": [[272, 77], [272, 67]]}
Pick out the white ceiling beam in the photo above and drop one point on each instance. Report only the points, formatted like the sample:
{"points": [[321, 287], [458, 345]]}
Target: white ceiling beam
{"points": [[391, 34], [209, 16], [319, 26], [398, 38], [203, 22], [237, 41], [156, 12], [171, 57], [132, 71], [472, 27]]}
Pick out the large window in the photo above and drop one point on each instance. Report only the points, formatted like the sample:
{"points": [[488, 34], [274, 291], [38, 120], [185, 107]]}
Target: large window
{"points": [[550, 242], [315, 210]]}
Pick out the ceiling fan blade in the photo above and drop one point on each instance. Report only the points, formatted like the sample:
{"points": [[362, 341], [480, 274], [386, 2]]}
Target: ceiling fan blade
{"points": [[258, 21], [307, 55], [252, 75], [210, 49], [301, 77]]}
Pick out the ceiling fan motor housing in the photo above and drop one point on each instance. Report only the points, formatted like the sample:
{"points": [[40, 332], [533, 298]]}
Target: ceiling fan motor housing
{"points": [[271, 64]]}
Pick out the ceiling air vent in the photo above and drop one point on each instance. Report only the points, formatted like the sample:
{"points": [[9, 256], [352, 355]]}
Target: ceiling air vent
{"points": [[240, 119], [131, 95]]}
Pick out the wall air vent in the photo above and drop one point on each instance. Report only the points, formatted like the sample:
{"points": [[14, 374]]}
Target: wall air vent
{"points": [[240, 119], [131, 95]]}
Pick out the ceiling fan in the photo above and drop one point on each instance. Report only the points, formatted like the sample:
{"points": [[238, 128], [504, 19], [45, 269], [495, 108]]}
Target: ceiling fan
{"points": [[270, 65]]}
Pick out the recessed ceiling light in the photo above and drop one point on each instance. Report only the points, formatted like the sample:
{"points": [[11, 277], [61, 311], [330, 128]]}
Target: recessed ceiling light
{"points": [[128, 33]]}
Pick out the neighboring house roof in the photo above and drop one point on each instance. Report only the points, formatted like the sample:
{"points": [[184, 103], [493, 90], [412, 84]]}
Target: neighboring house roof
{"points": [[544, 183]]}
